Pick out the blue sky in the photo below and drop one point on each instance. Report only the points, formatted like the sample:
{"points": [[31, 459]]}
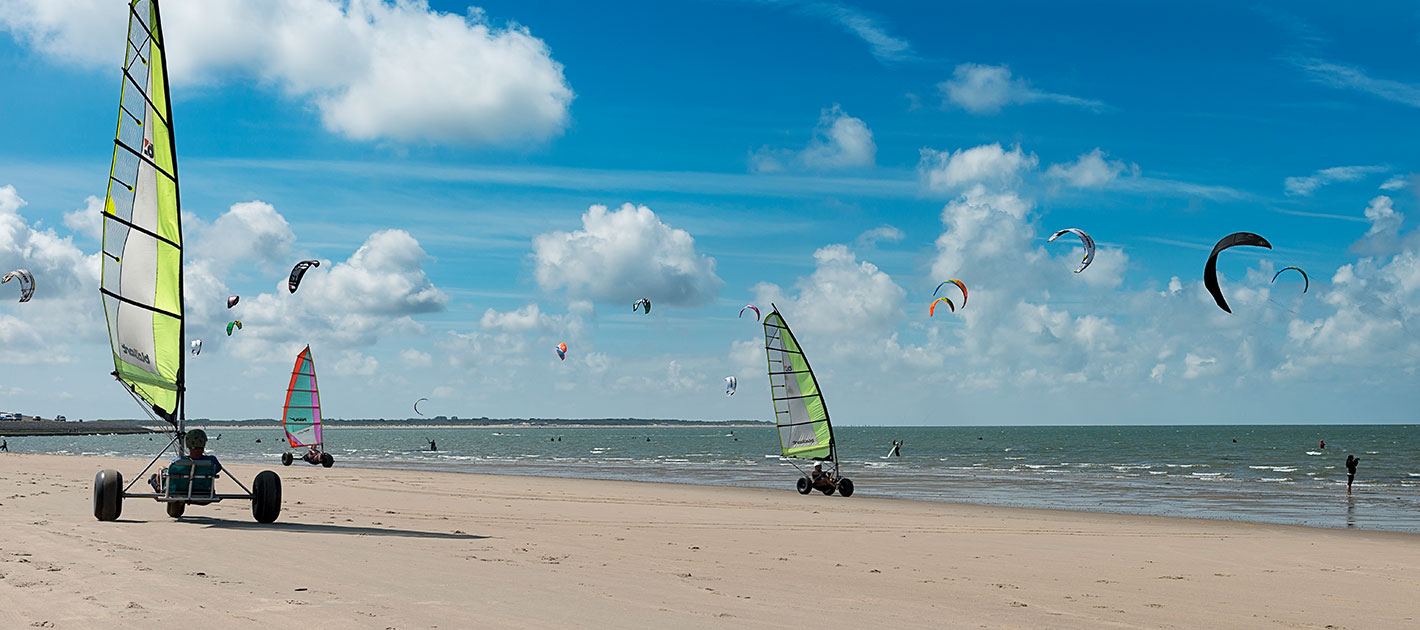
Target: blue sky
{"points": [[446, 161]]}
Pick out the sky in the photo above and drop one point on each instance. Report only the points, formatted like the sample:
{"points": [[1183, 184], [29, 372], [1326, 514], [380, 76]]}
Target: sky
{"points": [[484, 181]]}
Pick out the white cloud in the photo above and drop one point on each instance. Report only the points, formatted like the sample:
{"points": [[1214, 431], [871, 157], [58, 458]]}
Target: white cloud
{"points": [[879, 234], [413, 358], [248, 231], [984, 90], [883, 45], [989, 163], [841, 296], [839, 142], [526, 319], [354, 363], [1396, 182], [87, 221], [1090, 170], [1305, 186], [1346, 77], [63, 312], [374, 70], [623, 255]]}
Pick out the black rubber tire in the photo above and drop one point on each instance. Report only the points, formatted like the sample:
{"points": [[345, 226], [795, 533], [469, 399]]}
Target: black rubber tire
{"points": [[175, 509], [845, 487], [266, 497], [828, 490], [286, 459], [327, 460], [108, 495], [804, 486]]}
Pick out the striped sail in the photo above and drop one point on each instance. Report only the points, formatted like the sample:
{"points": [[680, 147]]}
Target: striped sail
{"points": [[301, 416], [142, 227], [799, 410]]}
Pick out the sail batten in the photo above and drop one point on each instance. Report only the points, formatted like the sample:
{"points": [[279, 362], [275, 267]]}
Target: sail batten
{"points": [[141, 283], [799, 409], [301, 415]]}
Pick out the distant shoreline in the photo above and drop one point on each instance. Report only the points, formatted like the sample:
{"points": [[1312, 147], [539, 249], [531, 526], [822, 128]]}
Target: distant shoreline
{"points": [[383, 426]]}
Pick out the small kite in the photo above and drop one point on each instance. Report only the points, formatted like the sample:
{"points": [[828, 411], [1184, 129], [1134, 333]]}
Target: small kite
{"points": [[416, 406], [750, 307], [933, 310], [1089, 245], [646, 302], [27, 283], [1305, 279], [232, 300], [959, 286], [562, 351], [237, 323], [298, 271], [1210, 270], [196, 347], [730, 384]]}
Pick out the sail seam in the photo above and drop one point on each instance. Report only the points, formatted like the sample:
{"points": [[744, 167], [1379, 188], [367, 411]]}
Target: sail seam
{"points": [[144, 93], [151, 163], [138, 304], [132, 226]]}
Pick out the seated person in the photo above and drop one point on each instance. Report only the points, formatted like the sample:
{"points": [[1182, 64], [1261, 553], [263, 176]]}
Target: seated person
{"points": [[312, 456], [196, 442], [819, 477]]}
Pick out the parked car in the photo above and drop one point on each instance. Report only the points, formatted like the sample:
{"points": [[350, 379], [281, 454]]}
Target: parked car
{"points": [[59, 418]]}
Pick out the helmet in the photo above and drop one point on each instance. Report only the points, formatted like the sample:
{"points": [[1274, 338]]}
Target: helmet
{"points": [[196, 438]]}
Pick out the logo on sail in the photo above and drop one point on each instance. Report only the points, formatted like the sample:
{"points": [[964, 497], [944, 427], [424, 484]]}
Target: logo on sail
{"points": [[140, 356], [148, 148], [804, 442]]}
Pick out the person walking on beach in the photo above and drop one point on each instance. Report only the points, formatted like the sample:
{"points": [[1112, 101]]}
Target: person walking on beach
{"points": [[1351, 461], [5, 445]]}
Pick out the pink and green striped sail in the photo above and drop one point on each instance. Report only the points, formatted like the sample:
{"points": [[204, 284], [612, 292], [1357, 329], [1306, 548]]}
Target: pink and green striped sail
{"points": [[301, 417]]}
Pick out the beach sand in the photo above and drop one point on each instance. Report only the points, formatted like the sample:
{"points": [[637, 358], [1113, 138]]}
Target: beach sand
{"points": [[365, 548]]}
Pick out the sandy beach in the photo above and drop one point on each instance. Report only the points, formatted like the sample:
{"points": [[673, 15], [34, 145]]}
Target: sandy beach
{"points": [[365, 548]]}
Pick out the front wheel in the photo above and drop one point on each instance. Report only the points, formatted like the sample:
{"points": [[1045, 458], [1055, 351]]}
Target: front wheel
{"points": [[108, 495], [327, 460], [175, 509], [845, 487], [804, 486], [286, 459], [266, 497]]}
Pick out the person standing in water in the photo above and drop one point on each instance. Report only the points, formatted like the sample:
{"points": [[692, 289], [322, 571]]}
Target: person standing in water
{"points": [[433, 446], [1322, 444], [1351, 461]]}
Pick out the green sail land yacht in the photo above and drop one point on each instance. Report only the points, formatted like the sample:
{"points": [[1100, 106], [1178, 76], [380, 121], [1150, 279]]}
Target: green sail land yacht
{"points": [[142, 284], [799, 411]]}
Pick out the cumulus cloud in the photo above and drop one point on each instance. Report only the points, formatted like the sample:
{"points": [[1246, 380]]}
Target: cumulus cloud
{"points": [[1090, 170], [839, 142], [623, 255], [249, 231], [529, 318], [987, 164], [87, 221], [879, 234], [842, 295], [983, 90], [1305, 186], [375, 70], [63, 311]]}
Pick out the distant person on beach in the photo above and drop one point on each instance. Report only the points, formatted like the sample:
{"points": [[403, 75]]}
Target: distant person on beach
{"points": [[1351, 461], [5, 445]]}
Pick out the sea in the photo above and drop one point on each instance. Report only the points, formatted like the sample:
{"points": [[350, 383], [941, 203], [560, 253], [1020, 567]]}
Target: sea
{"points": [[1264, 473]]}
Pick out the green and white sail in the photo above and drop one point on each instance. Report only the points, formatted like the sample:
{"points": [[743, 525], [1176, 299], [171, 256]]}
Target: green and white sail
{"points": [[142, 244], [799, 410]]}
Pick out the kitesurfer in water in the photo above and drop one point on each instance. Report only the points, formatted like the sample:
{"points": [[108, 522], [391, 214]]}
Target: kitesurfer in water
{"points": [[1351, 462]]}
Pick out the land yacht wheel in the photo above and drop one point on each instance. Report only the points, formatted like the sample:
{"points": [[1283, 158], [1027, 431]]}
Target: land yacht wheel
{"points": [[266, 497], [845, 487], [108, 495], [175, 509], [286, 459], [804, 486]]}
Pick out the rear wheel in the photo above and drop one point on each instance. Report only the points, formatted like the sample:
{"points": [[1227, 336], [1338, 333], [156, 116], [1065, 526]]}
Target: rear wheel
{"points": [[175, 509], [804, 486], [327, 460], [108, 495], [266, 497], [845, 487], [286, 459]]}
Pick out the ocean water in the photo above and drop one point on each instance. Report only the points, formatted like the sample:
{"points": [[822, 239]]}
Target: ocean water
{"points": [[1271, 474]]}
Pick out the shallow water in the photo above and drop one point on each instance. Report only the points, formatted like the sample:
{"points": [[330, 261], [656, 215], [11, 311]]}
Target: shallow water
{"points": [[1272, 474]]}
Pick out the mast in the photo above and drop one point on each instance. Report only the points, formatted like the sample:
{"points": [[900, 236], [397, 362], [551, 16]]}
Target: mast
{"points": [[177, 193]]}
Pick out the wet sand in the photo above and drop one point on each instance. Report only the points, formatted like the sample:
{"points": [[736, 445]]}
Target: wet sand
{"points": [[364, 548]]}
